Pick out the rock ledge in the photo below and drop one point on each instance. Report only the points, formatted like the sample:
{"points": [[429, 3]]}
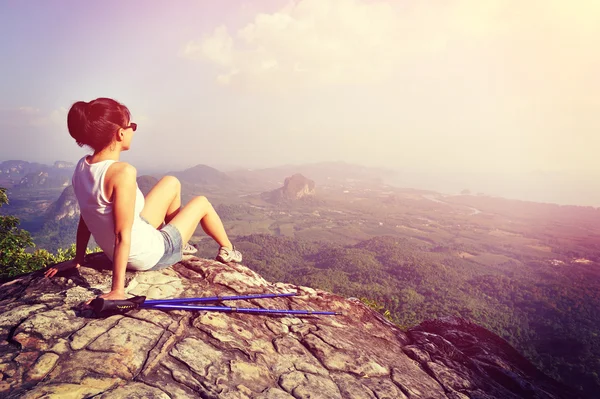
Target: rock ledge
{"points": [[51, 348]]}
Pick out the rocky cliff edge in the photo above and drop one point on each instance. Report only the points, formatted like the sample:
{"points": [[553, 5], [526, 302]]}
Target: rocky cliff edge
{"points": [[51, 347]]}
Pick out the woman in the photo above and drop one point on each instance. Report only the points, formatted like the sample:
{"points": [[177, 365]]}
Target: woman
{"points": [[125, 225]]}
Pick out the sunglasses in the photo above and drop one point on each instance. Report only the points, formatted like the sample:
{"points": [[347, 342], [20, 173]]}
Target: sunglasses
{"points": [[133, 126]]}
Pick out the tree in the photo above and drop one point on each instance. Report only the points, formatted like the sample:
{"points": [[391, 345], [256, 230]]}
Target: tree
{"points": [[14, 243]]}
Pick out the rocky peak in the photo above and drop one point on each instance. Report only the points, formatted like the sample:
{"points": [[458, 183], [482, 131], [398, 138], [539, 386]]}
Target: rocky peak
{"points": [[51, 347], [66, 206], [294, 188]]}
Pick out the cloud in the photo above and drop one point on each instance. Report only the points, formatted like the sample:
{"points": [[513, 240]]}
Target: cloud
{"points": [[318, 43], [306, 42], [27, 116]]}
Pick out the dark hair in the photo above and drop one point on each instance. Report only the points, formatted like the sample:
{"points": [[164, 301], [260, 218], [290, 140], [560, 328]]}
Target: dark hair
{"points": [[95, 123]]}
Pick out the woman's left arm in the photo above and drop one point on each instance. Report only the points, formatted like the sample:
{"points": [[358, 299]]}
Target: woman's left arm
{"points": [[83, 237]]}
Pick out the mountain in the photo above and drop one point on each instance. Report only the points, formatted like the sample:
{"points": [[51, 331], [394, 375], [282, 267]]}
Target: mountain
{"points": [[22, 174], [16, 167], [58, 225], [296, 187], [202, 174], [65, 207], [54, 347]]}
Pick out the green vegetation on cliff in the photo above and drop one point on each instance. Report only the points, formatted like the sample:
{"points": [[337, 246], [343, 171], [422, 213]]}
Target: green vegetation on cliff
{"points": [[551, 314], [17, 250]]}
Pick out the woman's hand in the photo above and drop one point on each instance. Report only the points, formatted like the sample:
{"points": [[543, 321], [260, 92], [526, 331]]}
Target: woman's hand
{"points": [[60, 267]]}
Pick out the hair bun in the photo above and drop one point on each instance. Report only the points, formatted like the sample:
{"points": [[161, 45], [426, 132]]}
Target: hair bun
{"points": [[77, 119], [94, 123]]}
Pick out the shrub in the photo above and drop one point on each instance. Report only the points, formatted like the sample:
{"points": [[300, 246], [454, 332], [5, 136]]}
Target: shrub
{"points": [[16, 256]]}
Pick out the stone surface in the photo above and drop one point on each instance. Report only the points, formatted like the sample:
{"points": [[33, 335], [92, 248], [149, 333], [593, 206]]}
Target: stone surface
{"points": [[53, 347], [15, 315], [135, 390], [42, 366], [91, 331]]}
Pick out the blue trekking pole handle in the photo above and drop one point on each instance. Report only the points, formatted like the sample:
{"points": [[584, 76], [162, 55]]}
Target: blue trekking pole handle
{"points": [[215, 298], [237, 310]]}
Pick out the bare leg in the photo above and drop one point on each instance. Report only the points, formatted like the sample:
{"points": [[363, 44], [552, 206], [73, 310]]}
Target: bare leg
{"points": [[199, 210], [163, 202]]}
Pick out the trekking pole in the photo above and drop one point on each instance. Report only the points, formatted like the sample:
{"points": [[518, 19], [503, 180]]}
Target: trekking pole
{"points": [[233, 309], [214, 299], [102, 306]]}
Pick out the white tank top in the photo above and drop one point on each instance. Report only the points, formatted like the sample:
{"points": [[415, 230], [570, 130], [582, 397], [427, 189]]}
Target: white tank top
{"points": [[147, 246]]}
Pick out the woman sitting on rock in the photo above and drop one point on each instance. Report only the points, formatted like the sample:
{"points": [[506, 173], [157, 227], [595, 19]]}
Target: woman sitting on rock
{"points": [[128, 227]]}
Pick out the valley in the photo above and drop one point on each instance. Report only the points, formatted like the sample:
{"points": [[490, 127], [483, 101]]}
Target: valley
{"points": [[528, 271]]}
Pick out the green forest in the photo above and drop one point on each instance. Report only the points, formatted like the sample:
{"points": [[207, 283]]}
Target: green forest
{"points": [[550, 315]]}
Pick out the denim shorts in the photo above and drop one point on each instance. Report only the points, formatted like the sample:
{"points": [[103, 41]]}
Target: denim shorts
{"points": [[173, 246]]}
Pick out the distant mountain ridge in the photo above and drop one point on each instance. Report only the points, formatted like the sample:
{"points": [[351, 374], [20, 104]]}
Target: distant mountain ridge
{"points": [[201, 174], [17, 173], [23, 174], [323, 173]]}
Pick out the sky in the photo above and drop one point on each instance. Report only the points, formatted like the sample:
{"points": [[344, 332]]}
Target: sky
{"points": [[497, 96]]}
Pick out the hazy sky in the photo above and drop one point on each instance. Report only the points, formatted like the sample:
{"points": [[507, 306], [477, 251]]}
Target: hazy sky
{"points": [[470, 87]]}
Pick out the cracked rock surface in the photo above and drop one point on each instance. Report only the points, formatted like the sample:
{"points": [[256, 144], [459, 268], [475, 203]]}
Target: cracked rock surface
{"points": [[51, 347]]}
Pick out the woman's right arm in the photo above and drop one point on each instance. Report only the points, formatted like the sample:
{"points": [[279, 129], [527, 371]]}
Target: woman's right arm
{"points": [[123, 195]]}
